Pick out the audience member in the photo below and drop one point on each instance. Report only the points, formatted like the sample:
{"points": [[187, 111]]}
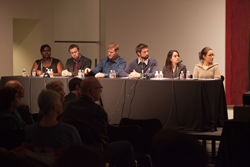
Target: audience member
{"points": [[77, 62], [91, 121], [207, 69], [143, 64], [112, 62], [57, 86], [47, 62], [74, 88], [173, 68], [46, 139], [80, 156], [12, 127], [23, 108], [176, 149]]}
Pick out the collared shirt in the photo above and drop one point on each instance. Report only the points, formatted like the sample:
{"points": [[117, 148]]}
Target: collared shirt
{"points": [[106, 65], [146, 61]]}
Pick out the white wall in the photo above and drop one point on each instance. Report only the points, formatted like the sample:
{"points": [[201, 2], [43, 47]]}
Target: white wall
{"points": [[26, 47], [187, 26], [184, 25]]}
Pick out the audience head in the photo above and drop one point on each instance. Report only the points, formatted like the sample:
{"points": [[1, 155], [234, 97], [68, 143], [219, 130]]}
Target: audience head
{"points": [[172, 58], [45, 51], [9, 98], [206, 54], [113, 50], [16, 85], [49, 101], [176, 149], [91, 87], [58, 87], [74, 86], [74, 51], [80, 156]]}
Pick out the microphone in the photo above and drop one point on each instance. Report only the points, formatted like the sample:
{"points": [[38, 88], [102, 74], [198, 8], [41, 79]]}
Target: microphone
{"points": [[178, 62], [41, 63]]}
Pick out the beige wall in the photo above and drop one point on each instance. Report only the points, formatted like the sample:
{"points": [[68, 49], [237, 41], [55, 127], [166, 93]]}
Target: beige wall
{"points": [[38, 17], [184, 25]]}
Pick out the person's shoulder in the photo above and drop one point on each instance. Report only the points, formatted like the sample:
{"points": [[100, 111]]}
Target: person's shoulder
{"points": [[66, 126], [152, 59], [198, 65], [84, 58], [56, 60]]}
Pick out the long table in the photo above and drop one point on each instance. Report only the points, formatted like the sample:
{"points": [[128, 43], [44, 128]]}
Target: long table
{"points": [[198, 105]]}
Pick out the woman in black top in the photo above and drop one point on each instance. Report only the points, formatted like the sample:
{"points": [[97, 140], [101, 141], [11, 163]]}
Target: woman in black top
{"points": [[47, 62], [171, 68]]}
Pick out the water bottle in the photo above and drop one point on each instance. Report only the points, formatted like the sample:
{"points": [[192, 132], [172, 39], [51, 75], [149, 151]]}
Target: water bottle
{"points": [[51, 73], [156, 75], [82, 74], [112, 74], [24, 74], [182, 75], [188, 75], [34, 72], [160, 75], [79, 73]]}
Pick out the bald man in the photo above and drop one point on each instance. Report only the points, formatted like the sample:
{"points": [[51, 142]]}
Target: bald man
{"points": [[91, 121], [23, 108]]}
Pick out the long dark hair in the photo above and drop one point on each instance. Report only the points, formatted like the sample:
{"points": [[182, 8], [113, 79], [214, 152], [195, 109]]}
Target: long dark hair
{"points": [[168, 63]]}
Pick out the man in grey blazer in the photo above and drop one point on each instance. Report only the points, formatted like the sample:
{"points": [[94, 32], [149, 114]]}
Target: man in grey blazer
{"points": [[77, 62]]}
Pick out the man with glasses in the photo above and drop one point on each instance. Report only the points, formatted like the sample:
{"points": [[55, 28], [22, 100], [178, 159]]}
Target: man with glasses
{"points": [[23, 108], [91, 121]]}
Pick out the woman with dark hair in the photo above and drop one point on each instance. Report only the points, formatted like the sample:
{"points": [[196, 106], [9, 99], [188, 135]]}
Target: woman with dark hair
{"points": [[171, 68], [207, 69], [47, 62], [12, 127]]}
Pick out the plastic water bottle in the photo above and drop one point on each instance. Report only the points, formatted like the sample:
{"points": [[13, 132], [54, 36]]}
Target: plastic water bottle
{"points": [[79, 73], [51, 73], [34, 72], [182, 75], [156, 75], [188, 75], [82, 74], [112, 74], [160, 75], [24, 74]]}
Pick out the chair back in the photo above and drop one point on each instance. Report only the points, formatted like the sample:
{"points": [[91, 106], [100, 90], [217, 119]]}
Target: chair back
{"points": [[149, 127]]}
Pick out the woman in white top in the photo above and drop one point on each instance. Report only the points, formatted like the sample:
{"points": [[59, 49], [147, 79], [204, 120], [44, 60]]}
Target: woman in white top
{"points": [[207, 69]]}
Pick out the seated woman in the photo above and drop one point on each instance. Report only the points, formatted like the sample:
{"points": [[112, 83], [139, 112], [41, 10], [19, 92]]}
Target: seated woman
{"points": [[207, 69], [171, 68], [12, 127], [47, 62], [46, 139]]}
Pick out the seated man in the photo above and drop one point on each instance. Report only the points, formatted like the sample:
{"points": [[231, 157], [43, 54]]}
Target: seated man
{"points": [[74, 88], [91, 121], [23, 108], [141, 65], [112, 62], [77, 62]]}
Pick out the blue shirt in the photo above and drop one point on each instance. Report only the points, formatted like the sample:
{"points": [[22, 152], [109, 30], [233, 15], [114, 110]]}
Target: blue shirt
{"points": [[106, 65]]}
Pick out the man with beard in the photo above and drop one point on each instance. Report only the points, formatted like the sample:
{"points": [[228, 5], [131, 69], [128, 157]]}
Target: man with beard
{"points": [[143, 66]]}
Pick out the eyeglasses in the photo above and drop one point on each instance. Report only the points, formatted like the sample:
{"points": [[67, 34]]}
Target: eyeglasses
{"points": [[100, 87]]}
